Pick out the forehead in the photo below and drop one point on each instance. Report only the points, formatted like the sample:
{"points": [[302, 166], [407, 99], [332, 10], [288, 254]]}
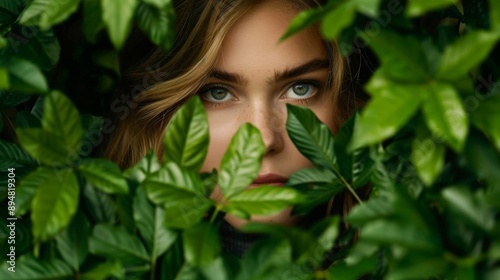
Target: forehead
{"points": [[253, 41]]}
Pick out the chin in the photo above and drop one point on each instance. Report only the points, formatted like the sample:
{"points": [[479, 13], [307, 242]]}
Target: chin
{"points": [[282, 218]]}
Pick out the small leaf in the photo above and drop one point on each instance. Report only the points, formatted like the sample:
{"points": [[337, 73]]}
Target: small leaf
{"points": [[186, 139], [157, 23], [13, 156], [402, 57], [419, 7], [241, 162], [104, 271], [47, 13], [312, 175], [61, 118], [367, 7], [116, 243], [117, 16], [184, 214], [445, 115], [142, 169], [104, 175], [72, 243], [484, 160], [377, 121], [54, 204], [92, 19], [428, 158], [465, 53], [44, 146], [201, 244], [28, 267], [27, 187], [371, 210], [265, 200], [486, 118], [25, 76], [149, 220], [101, 208], [313, 138], [303, 20], [337, 19]]}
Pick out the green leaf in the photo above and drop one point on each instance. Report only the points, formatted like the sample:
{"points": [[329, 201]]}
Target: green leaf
{"points": [[172, 262], [402, 57], [54, 204], [419, 7], [104, 175], [312, 175], [13, 156], [47, 13], [27, 187], [377, 121], [158, 3], [495, 14], [201, 244], [427, 157], [146, 166], [337, 19], [116, 243], [104, 271], [326, 233], [468, 207], [180, 192], [445, 115], [61, 118], [303, 20], [72, 243], [25, 76], [241, 162], [420, 267], [43, 49], [157, 23], [265, 200], [312, 138], [343, 271], [117, 16], [367, 7], [374, 208], [101, 208], [44, 146], [356, 166], [483, 159], [28, 267], [317, 194], [92, 19], [486, 118], [149, 220], [465, 53], [4, 79], [186, 139]]}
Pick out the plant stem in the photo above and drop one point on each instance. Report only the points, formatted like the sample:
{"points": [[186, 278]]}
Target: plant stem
{"points": [[348, 186], [214, 215]]}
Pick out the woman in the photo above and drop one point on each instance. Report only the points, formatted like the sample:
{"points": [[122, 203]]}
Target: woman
{"points": [[228, 52]]}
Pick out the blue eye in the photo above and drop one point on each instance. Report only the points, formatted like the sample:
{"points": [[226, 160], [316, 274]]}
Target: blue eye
{"points": [[217, 95], [301, 90]]}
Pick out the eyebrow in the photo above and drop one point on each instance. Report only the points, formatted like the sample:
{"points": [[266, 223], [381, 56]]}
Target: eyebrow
{"points": [[310, 66]]}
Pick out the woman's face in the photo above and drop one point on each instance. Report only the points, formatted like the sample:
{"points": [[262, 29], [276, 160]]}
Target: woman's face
{"points": [[253, 79]]}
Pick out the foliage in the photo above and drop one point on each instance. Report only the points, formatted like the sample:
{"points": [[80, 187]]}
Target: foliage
{"points": [[427, 144]]}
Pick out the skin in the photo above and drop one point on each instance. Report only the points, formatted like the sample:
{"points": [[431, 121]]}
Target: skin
{"points": [[243, 88]]}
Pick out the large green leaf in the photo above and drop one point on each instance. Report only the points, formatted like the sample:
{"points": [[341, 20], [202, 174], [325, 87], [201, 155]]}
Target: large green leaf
{"points": [[445, 115], [54, 204], [43, 49], [378, 119], [427, 157], [241, 162], [92, 19], [337, 19], [312, 175], [484, 160], [265, 200], [373, 209], [100, 207], [367, 7], [312, 138], [117, 16], [303, 20], [419, 7], [149, 219], [47, 13], [30, 268], [104, 175], [486, 118], [116, 243], [104, 271], [13, 156], [355, 166], [180, 192], [186, 139], [46, 147], [72, 243], [26, 189], [317, 194], [61, 118], [157, 23], [465, 53], [25, 76], [146, 166], [402, 57], [201, 244]]}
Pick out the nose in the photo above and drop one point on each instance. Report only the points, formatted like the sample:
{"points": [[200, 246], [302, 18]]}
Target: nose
{"points": [[270, 121]]}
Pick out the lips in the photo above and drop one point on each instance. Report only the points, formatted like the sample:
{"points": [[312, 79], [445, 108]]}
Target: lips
{"points": [[271, 179]]}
